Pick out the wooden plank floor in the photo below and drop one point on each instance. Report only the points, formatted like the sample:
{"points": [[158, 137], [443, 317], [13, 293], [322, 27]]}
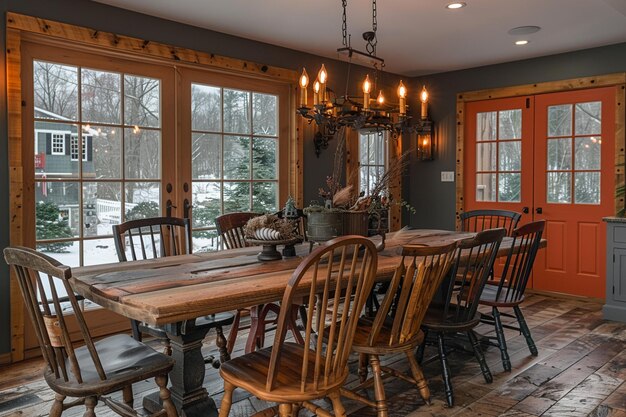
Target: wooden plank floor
{"points": [[580, 371]]}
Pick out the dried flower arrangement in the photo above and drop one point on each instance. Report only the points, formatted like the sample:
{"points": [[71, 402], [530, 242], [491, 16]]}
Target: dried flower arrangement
{"points": [[270, 227]]}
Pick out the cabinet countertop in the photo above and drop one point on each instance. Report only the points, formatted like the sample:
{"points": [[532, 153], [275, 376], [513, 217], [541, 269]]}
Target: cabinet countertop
{"points": [[614, 219]]}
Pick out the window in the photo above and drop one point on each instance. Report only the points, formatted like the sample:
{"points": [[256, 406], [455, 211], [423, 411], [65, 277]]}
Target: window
{"points": [[499, 156], [75, 145], [234, 156], [58, 144], [372, 159]]}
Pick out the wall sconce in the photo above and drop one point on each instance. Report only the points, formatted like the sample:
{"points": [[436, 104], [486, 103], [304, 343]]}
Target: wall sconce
{"points": [[425, 143], [424, 130]]}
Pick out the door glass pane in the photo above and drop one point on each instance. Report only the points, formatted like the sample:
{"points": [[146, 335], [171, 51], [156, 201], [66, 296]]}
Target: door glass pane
{"points": [[236, 111], [485, 187], [559, 154], [102, 207], [486, 126], [236, 158], [100, 96], [587, 187], [264, 156], [206, 108], [236, 196], [509, 187], [587, 154], [265, 114], [55, 88], [264, 197], [207, 203], [57, 214], [510, 123], [142, 101], [589, 118], [142, 152], [510, 156], [53, 149], [99, 251], [486, 156], [142, 200], [560, 120], [103, 151], [206, 156], [559, 187], [205, 241]]}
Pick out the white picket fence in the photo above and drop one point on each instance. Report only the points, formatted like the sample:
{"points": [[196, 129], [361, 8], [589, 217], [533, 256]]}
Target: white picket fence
{"points": [[110, 211]]}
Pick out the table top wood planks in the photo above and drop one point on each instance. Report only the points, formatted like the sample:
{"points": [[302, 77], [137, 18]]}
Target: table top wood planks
{"points": [[177, 288]]}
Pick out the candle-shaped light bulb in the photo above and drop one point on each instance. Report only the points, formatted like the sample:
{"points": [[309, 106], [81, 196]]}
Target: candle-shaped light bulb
{"points": [[381, 98], [304, 82], [424, 100], [316, 92], [402, 97], [367, 88], [322, 76]]}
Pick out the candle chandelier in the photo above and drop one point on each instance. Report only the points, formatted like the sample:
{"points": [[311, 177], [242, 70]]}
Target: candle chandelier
{"points": [[330, 112]]}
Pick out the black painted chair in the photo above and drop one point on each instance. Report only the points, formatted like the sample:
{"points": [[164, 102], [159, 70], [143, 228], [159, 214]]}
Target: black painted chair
{"points": [[479, 220], [509, 292], [456, 311], [158, 237]]}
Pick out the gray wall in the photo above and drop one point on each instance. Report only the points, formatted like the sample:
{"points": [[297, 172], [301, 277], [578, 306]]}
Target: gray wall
{"points": [[433, 200], [102, 17]]}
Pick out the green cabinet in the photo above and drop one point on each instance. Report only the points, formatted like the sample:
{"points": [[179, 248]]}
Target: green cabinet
{"points": [[615, 306]]}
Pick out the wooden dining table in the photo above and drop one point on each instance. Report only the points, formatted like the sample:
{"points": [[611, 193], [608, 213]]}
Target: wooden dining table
{"points": [[173, 291]]}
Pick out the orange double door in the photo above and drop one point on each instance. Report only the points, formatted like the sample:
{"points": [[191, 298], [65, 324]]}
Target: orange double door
{"points": [[549, 157]]}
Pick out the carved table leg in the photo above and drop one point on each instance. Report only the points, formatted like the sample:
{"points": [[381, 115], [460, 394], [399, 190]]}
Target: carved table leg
{"points": [[189, 396]]}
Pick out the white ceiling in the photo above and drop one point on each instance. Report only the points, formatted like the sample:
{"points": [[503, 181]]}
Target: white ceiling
{"points": [[414, 37]]}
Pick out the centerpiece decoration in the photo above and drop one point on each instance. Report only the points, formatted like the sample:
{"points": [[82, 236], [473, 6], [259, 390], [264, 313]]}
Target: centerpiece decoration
{"points": [[269, 230], [342, 212]]}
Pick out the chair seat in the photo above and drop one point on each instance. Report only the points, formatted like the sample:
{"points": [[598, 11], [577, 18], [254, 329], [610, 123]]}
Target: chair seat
{"points": [[124, 361], [435, 320], [250, 373], [490, 297], [208, 322]]}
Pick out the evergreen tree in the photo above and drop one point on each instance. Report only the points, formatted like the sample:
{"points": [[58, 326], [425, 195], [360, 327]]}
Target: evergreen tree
{"points": [[143, 210], [50, 225]]}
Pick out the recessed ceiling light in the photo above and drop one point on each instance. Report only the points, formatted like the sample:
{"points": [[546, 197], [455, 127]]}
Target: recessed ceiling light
{"points": [[456, 5], [522, 42], [524, 30]]}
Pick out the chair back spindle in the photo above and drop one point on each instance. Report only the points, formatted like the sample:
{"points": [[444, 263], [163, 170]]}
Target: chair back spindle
{"points": [[346, 265], [414, 283], [479, 220], [38, 277]]}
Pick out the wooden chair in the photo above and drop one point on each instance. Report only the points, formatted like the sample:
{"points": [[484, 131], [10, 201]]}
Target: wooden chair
{"points": [[457, 311], [230, 229], [479, 220], [91, 371], [293, 374], [158, 237], [509, 292], [396, 327]]}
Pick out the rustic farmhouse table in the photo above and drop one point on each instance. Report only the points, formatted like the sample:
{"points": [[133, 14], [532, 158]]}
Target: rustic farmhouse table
{"points": [[173, 291]]}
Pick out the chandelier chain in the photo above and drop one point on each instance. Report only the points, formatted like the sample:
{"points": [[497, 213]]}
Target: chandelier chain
{"points": [[344, 23], [371, 42]]}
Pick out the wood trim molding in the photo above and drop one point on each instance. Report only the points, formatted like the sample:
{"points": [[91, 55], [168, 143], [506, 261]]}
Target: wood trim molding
{"points": [[5, 358], [394, 150], [143, 48], [618, 80], [16, 181]]}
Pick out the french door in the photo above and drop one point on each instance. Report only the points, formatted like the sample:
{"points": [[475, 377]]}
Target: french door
{"points": [[550, 157], [97, 137]]}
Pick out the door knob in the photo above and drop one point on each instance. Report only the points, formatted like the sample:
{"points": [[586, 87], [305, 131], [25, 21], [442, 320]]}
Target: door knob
{"points": [[168, 208], [525, 210], [186, 208], [538, 210]]}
